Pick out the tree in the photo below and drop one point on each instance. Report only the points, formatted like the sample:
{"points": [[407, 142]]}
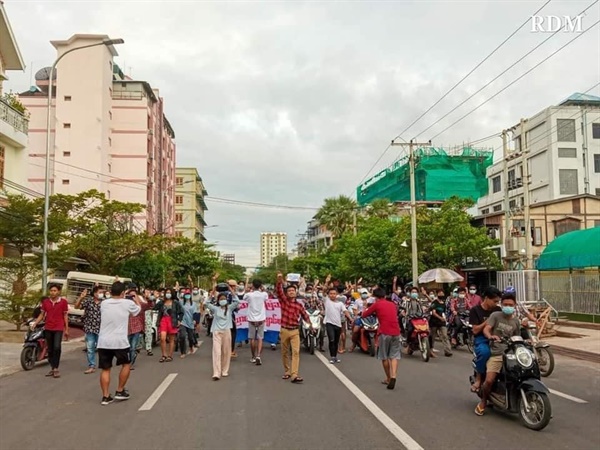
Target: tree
{"points": [[381, 208], [191, 259], [228, 271], [337, 214]]}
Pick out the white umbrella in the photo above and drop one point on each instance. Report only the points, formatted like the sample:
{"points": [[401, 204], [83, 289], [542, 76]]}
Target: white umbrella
{"points": [[440, 276]]}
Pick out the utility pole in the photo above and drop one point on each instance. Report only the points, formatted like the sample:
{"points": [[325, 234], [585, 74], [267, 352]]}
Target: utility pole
{"points": [[586, 166], [505, 187], [354, 213], [413, 205], [526, 197]]}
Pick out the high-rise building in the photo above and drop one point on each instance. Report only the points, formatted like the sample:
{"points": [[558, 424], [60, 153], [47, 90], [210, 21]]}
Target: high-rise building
{"points": [[108, 132], [272, 244], [228, 258], [189, 204]]}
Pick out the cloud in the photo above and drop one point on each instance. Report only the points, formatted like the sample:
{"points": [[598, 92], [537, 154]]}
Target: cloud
{"points": [[288, 103]]}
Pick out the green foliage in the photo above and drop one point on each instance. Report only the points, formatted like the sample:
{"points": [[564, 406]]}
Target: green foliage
{"points": [[337, 214], [13, 101], [16, 300], [191, 259], [228, 271]]}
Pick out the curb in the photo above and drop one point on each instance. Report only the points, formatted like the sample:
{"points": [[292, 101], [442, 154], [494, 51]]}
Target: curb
{"points": [[576, 354], [11, 370]]}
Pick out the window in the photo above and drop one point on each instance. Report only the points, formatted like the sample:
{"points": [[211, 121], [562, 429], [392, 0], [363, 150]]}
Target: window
{"points": [[596, 130], [567, 180], [2, 156], [179, 181], [512, 204], [66, 154], [565, 226], [567, 153], [576, 206], [496, 184], [522, 201], [597, 192], [565, 130], [67, 98], [178, 218], [66, 182], [485, 211], [179, 199], [497, 208], [597, 163], [178, 233], [66, 125], [537, 236]]}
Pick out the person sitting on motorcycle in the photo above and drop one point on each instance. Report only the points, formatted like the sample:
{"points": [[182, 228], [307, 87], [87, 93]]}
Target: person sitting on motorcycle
{"points": [[411, 308], [478, 317], [500, 325], [459, 305]]}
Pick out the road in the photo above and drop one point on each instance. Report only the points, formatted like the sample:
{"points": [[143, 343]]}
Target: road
{"points": [[431, 407]]}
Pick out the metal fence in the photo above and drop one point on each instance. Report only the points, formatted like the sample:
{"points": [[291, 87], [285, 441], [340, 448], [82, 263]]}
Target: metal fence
{"points": [[525, 282], [575, 292]]}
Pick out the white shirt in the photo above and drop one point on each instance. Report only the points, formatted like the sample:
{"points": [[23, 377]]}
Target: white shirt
{"points": [[114, 322], [256, 306], [360, 304], [333, 312]]}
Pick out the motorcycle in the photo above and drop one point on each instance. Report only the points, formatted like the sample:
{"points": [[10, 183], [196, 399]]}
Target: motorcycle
{"points": [[518, 388], [312, 339], [418, 338], [464, 335], [542, 350], [367, 335], [34, 347]]}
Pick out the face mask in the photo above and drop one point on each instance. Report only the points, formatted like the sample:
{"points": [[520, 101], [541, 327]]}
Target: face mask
{"points": [[167, 296], [364, 296], [222, 302], [414, 295], [432, 297], [441, 297], [152, 297], [472, 291], [320, 295], [106, 295], [195, 292], [100, 295], [454, 294], [508, 310], [187, 296], [461, 295]]}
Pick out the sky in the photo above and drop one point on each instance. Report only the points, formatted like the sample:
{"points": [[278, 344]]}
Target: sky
{"points": [[288, 103]]}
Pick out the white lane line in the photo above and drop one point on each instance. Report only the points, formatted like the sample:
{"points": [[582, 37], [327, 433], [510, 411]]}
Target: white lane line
{"points": [[160, 390], [402, 436], [567, 396]]}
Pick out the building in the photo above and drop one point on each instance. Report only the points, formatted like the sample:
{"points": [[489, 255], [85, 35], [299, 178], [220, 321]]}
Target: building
{"points": [[434, 168], [228, 258], [317, 237], [271, 245], [14, 124], [189, 204], [108, 132]]}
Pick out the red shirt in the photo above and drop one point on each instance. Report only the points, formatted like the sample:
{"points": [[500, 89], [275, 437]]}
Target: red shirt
{"points": [[137, 323], [291, 310], [387, 314], [55, 314]]}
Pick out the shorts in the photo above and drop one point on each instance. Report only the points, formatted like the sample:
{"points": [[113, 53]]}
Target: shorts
{"points": [[358, 322], [166, 326], [196, 318], [106, 355], [389, 347], [256, 330], [494, 364]]}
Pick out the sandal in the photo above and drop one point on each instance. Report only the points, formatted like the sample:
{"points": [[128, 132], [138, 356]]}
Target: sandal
{"points": [[56, 374], [162, 359], [385, 382], [475, 388], [50, 374], [285, 377], [297, 380], [169, 359], [479, 410]]}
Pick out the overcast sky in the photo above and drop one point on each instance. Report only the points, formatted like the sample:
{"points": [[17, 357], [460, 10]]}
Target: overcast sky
{"points": [[287, 103]]}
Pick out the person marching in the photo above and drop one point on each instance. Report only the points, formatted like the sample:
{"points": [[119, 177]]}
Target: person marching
{"points": [[170, 315], [91, 323], [221, 332], [257, 315]]}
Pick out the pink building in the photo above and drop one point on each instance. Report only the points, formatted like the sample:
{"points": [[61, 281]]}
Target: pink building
{"points": [[108, 132]]}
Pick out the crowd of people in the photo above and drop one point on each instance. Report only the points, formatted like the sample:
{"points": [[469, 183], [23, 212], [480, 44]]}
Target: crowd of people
{"points": [[122, 321]]}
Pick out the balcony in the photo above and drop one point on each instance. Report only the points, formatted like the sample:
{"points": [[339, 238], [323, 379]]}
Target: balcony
{"points": [[14, 126]]}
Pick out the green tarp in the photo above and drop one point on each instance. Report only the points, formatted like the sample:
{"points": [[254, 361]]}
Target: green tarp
{"points": [[575, 250]]}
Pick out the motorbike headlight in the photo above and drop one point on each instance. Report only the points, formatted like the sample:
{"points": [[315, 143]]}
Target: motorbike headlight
{"points": [[524, 357]]}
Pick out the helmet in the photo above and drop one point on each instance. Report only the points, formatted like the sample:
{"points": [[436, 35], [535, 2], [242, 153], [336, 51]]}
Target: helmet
{"points": [[509, 290], [363, 291]]}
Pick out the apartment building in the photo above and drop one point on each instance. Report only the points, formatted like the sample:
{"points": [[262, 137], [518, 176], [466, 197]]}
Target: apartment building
{"points": [[14, 124], [108, 132], [272, 244], [189, 204], [228, 258]]}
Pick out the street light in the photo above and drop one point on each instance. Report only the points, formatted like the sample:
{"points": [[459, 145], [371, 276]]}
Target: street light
{"points": [[107, 42]]}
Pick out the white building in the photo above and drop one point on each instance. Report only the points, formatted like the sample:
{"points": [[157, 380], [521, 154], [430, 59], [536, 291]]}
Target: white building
{"points": [[563, 145], [271, 245]]}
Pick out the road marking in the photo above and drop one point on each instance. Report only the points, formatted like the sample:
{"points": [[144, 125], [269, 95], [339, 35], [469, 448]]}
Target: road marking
{"points": [[567, 396], [402, 436], [160, 390]]}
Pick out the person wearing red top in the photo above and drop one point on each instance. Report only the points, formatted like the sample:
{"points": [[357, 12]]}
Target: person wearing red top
{"points": [[54, 313], [291, 310], [136, 325], [388, 351]]}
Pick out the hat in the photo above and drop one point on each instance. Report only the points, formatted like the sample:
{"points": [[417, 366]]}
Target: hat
{"points": [[363, 291]]}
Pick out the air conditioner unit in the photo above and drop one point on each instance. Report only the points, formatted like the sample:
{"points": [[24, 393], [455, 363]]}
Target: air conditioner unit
{"points": [[515, 244]]}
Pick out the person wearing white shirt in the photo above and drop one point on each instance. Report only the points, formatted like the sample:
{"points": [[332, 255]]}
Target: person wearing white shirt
{"points": [[257, 315], [334, 309]]}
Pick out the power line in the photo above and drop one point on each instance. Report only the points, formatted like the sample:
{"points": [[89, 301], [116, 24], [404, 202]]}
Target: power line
{"points": [[514, 81]]}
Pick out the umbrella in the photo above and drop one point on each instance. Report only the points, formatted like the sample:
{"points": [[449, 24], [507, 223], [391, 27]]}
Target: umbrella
{"points": [[440, 276]]}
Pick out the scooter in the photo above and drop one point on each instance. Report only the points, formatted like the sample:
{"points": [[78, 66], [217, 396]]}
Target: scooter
{"points": [[518, 388], [464, 335], [367, 335], [418, 338], [542, 350], [311, 339], [34, 347]]}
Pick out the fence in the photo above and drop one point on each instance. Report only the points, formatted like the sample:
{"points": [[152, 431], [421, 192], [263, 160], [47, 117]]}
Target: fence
{"points": [[525, 282], [574, 292]]}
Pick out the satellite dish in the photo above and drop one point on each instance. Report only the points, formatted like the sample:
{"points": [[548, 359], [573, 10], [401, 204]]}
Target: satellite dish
{"points": [[44, 74]]}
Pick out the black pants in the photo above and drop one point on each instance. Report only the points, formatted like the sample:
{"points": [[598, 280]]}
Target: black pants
{"points": [[233, 335], [186, 333], [54, 343], [333, 334]]}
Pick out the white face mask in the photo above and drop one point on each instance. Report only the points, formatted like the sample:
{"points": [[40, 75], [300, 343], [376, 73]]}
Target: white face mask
{"points": [[472, 291], [461, 295], [222, 302], [167, 296]]}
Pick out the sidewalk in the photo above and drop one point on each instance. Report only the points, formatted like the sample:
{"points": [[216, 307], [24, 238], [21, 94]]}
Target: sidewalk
{"points": [[584, 343]]}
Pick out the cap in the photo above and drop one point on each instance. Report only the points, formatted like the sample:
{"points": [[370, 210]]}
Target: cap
{"points": [[363, 291]]}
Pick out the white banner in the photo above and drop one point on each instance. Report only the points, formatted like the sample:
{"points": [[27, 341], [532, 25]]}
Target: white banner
{"points": [[273, 321]]}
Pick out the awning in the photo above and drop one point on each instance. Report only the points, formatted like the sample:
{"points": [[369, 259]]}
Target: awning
{"points": [[575, 250]]}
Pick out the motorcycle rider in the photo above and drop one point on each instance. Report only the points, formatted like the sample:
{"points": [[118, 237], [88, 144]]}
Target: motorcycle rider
{"points": [[459, 305], [478, 317], [314, 303], [411, 308], [472, 296], [501, 324]]}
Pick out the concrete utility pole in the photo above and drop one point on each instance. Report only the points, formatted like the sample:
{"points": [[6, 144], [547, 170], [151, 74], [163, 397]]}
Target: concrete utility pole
{"points": [[504, 184], [526, 197], [413, 205], [586, 165]]}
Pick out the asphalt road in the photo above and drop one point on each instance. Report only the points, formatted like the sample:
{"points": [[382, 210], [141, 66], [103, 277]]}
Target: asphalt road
{"points": [[431, 407]]}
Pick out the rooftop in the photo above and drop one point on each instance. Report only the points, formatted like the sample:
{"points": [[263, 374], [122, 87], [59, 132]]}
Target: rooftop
{"points": [[578, 99]]}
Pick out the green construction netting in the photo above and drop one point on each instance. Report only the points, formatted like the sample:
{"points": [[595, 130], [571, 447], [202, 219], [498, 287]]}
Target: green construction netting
{"points": [[438, 176], [575, 250]]}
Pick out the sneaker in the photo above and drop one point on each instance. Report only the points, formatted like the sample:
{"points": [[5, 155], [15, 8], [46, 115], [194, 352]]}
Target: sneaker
{"points": [[258, 361], [332, 361], [123, 395], [253, 360], [107, 400], [338, 360]]}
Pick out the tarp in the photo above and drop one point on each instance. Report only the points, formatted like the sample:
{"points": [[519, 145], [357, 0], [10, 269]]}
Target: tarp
{"points": [[575, 250]]}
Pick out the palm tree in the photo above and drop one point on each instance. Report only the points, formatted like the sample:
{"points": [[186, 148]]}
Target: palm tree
{"points": [[381, 208], [337, 214]]}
